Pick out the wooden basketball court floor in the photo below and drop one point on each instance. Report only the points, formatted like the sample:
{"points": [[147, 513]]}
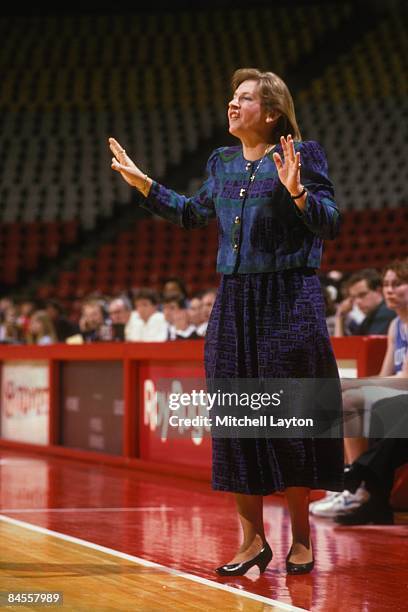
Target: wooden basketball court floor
{"points": [[116, 539]]}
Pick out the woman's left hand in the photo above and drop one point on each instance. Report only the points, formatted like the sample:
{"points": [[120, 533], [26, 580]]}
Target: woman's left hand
{"points": [[289, 168]]}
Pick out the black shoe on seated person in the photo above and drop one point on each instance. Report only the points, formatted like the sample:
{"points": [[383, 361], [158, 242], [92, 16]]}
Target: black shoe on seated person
{"points": [[374, 512], [353, 477]]}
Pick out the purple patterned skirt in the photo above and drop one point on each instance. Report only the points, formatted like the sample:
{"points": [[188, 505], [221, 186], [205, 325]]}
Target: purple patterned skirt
{"points": [[272, 325]]}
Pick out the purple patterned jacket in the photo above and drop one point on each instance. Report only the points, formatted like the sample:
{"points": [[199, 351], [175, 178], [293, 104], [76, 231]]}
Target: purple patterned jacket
{"points": [[260, 227]]}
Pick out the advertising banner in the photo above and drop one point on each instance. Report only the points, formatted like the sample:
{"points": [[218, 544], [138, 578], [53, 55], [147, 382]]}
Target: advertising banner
{"points": [[25, 401], [188, 445]]}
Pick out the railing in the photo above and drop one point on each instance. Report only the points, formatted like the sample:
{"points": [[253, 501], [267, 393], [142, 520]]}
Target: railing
{"points": [[99, 402]]}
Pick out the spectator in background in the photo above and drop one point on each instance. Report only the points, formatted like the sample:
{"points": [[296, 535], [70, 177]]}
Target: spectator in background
{"points": [[5, 304], [364, 291], [195, 310], [41, 330], [26, 309], [207, 302], [62, 325], [174, 286], [92, 320], [125, 321], [152, 325], [182, 329], [359, 395], [170, 305], [10, 331]]}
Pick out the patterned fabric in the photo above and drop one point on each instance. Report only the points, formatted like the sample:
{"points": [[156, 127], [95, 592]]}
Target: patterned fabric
{"points": [[268, 319], [260, 227], [272, 326]]}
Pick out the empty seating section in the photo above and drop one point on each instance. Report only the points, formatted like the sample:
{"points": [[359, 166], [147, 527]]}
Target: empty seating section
{"points": [[156, 81], [24, 245], [369, 238], [358, 110], [143, 256], [152, 250]]}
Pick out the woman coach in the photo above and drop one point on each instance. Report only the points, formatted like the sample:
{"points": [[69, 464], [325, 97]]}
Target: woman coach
{"points": [[273, 201]]}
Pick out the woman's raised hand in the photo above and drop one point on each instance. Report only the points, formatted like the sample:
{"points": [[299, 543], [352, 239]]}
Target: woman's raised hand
{"points": [[126, 167], [289, 168]]}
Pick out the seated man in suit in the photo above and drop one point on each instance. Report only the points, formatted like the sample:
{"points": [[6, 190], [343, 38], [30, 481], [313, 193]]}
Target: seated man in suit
{"points": [[365, 292]]}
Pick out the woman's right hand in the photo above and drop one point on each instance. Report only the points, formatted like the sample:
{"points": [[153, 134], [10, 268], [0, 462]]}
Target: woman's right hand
{"points": [[127, 168]]}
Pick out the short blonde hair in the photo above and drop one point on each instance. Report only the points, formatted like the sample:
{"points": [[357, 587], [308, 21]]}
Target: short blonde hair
{"points": [[275, 96]]}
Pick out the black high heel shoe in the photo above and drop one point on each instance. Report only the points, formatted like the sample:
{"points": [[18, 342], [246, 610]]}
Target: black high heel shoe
{"points": [[262, 559], [298, 568]]}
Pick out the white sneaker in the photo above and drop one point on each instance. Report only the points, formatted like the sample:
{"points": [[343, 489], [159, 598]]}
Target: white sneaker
{"points": [[328, 497], [340, 503]]}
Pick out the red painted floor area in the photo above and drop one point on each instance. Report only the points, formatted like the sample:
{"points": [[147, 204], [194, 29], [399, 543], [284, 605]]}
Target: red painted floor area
{"points": [[183, 524]]}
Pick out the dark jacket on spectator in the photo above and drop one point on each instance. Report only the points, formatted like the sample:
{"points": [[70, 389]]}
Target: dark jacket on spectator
{"points": [[376, 322]]}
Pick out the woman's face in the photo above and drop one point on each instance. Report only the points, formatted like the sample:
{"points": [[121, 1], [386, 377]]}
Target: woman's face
{"points": [[36, 326], [246, 114], [395, 291]]}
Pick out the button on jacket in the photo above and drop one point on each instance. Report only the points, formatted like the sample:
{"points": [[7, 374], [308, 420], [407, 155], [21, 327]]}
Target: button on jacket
{"points": [[260, 227]]}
